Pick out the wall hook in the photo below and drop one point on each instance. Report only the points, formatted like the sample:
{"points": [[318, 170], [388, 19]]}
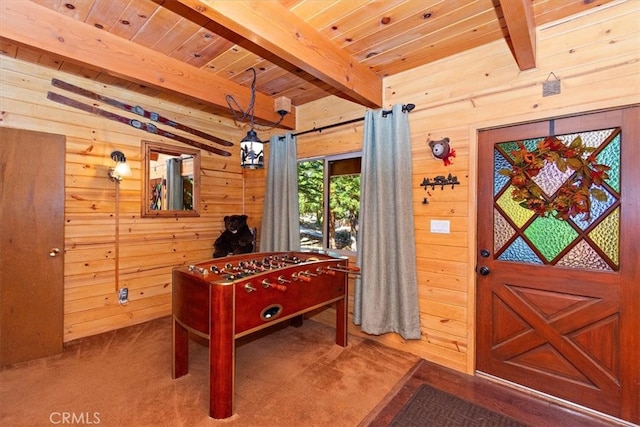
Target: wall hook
{"points": [[441, 181]]}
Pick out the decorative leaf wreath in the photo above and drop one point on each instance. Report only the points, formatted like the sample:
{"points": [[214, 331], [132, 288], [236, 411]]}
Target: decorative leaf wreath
{"points": [[573, 197]]}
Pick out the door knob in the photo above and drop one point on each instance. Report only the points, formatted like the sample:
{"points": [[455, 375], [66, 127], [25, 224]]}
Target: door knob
{"points": [[54, 251], [484, 271], [485, 253]]}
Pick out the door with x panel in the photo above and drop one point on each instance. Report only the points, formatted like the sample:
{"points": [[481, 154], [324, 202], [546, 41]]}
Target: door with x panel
{"points": [[558, 267]]}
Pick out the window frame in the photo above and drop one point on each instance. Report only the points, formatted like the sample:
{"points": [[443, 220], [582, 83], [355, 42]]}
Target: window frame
{"points": [[325, 195]]}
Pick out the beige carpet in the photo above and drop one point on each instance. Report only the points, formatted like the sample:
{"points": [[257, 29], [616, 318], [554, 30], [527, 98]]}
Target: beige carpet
{"points": [[288, 377]]}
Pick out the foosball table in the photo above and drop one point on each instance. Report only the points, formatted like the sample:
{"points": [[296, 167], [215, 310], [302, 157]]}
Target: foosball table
{"points": [[226, 298]]}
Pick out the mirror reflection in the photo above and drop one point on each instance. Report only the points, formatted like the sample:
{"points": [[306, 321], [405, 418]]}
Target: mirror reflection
{"points": [[171, 180]]}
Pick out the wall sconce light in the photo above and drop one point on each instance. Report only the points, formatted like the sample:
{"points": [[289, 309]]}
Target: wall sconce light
{"points": [[121, 169]]}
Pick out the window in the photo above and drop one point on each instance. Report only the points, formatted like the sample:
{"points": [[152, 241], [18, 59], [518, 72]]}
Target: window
{"points": [[329, 188], [171, 180]]}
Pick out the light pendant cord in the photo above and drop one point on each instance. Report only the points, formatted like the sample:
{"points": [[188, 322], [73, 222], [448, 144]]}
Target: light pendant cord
{"points": [[240, 115]]}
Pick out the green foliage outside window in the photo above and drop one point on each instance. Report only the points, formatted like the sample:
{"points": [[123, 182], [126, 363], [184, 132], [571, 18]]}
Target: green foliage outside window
{"points": [[310, 189], [343, 198], [344, 204]]}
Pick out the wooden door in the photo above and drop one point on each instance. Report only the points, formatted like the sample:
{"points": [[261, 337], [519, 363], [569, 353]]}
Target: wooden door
{"points": [[559, 300], [31, 244]]}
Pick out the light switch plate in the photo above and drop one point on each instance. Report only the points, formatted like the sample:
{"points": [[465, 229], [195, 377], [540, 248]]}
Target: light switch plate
{"points": [[440, 226]]}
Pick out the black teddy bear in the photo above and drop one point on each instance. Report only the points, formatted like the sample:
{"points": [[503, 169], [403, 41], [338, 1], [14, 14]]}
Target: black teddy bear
{"points": [[236, 238]]}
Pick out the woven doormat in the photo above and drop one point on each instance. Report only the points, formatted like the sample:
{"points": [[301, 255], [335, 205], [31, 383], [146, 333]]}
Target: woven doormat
{"points": [[433, 407]]}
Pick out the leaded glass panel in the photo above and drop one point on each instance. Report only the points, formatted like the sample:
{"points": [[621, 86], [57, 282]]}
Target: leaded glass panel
{"points": [[607, 236], [503, 230], [610, 156], [583, 241], [598, 207], [499, 180], [550, 178], [590, 139], [520, 251], [512, 209], [550, 236], [509, 147], [583, 255]]}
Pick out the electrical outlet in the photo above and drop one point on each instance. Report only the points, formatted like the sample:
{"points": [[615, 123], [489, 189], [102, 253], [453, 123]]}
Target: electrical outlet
{"points": [[123, 296]]}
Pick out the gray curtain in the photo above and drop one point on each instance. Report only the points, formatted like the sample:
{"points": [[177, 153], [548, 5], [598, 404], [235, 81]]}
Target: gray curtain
{"points": [[386, 294], [174, 184], [281, 218]]}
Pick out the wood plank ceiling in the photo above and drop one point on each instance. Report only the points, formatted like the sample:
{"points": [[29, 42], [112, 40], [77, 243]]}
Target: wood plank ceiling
{"points": [[302, 50]]}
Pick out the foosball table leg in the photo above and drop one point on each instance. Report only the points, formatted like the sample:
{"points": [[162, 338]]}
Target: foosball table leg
{"points": [[297, 321], [180, 350], [221, 352], [341, 322]]}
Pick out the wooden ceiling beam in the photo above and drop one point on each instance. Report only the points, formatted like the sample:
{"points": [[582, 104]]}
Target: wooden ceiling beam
{"points": [[272, 27], [519, 17], [29, 24]]}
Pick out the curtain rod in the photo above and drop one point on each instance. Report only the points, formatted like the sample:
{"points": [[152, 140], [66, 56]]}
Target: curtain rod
{"points": [[405, 109]]}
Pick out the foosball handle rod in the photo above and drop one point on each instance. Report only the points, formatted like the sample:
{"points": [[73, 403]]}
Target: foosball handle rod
{"points": [[353, 270]]}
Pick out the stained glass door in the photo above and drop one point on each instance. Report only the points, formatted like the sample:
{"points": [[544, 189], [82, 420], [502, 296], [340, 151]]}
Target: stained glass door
{"points": [[557, 279], [585, 240]]}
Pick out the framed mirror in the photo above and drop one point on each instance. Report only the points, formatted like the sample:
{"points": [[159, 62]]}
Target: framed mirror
{"points": [[171, 180]]}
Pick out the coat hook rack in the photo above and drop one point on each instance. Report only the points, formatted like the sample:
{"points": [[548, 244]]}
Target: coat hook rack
{"points": [[440, 181]]}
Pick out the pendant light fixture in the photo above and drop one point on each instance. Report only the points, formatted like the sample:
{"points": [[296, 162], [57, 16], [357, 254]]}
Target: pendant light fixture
{"points": [[252, 151], [251, 147]]}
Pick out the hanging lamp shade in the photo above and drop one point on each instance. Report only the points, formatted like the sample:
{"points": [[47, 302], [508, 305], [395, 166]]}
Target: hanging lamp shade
{"points": [[251, 150]]}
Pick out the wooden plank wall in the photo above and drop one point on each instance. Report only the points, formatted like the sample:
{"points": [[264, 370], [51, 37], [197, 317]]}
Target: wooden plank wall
{"points": [[149, 247], [597, 59]]}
